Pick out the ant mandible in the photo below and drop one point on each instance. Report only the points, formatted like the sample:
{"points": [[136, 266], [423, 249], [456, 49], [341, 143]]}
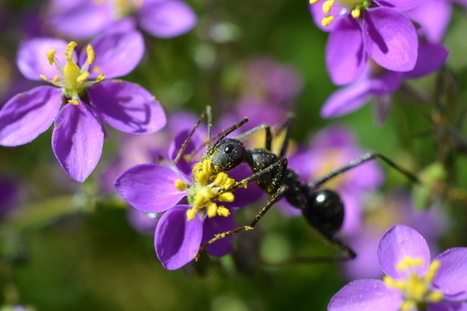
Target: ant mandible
{"points": [[322, 208]]}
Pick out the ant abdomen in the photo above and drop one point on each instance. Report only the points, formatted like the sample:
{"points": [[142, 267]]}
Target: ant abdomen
{"points": [[325, 207]]}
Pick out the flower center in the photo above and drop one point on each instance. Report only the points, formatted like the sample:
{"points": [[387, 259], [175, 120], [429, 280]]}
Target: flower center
{"points": [[207, 187], [417, 291], [73, 79], [355, 8]]}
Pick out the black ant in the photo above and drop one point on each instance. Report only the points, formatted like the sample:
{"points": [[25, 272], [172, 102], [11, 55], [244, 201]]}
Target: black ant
{"points": [[322, 208]]}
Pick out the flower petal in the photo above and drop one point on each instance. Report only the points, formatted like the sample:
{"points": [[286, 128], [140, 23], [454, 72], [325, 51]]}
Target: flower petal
{"points": [[28, 114], [32, 57], [127, 106], [366, 295], [448, 306], [345, 54], [117, 53], [400, 5], [166, 19], [177, 240], [213, 226], [347, 99], [77, 140], [79, 19], [432, 28], [398, 242], [431, 56], [450, 278], [390, 39], [149, 187]]}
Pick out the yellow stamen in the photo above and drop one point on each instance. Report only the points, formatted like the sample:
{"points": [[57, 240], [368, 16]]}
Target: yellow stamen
{"points": [[355, 12], [327, 6], [327, 20], [82, 77], [190, 214], [226, 197], [314, 1], [51, 56], [69, 51], [223, 211], [73, 102], [180, 185], [409, 262], [90, 53], [100, 78], [211, 209], [43, 78]]}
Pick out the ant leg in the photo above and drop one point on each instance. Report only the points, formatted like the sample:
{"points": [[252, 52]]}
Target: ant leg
{"points": [[267, 129], [288, 130], [206, 113], [348, 253], [272, 200], [366, 157]]}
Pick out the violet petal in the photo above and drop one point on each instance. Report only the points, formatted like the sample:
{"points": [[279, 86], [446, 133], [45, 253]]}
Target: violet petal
{"points": [[117, 53], [28, 114], [398, 242], [213, 226], [166, 19], [149, 187], [346, 99], [432, 28], [177, 240], [77, 140], [32, 57], [345, 54], [390, 39], [450, 278], [400, 5], [127, 106], [366, 295], [431, 56]]}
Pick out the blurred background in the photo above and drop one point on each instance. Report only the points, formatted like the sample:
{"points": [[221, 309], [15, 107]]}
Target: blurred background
{"points": [[66, 245]]}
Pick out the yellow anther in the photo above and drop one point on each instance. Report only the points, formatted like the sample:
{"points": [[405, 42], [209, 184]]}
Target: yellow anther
{"points": [[73, 102], [223, 211], [435, 296], [100, 78], [199, 201], [180, 185], [409, 262], [56, 79], [314, 1], [190, 214], [82, 77], [226, 197], [355, 12], [211, 209], [326, 20], [69, 51], [432, 270], [408, 305], [220, 180], [51, 56], [90, 53], [327, 5], [43, 77]]}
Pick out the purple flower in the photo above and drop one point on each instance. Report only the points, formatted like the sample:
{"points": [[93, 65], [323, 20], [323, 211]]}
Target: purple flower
{"points": [[80, 99], [154, 188], [412, 281], [378, 83], [362, 29], [84, 19]]}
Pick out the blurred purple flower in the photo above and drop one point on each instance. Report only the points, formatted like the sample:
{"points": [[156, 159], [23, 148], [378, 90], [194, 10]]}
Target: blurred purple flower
{"points": [[83, 19], [378, 83], [78, 133], [411, 281], [362, 29], [144, 223], [380, 214], [9, 195]]}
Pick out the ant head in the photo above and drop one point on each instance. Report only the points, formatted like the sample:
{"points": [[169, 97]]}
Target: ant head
{"points": [[325, 207], [226, 154]]}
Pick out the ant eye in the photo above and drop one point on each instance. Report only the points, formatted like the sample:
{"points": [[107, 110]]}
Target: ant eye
{"points": [[229, 148]]}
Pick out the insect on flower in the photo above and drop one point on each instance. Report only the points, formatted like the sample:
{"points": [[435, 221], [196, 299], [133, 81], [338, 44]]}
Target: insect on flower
{"points": [[322, 208]]}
